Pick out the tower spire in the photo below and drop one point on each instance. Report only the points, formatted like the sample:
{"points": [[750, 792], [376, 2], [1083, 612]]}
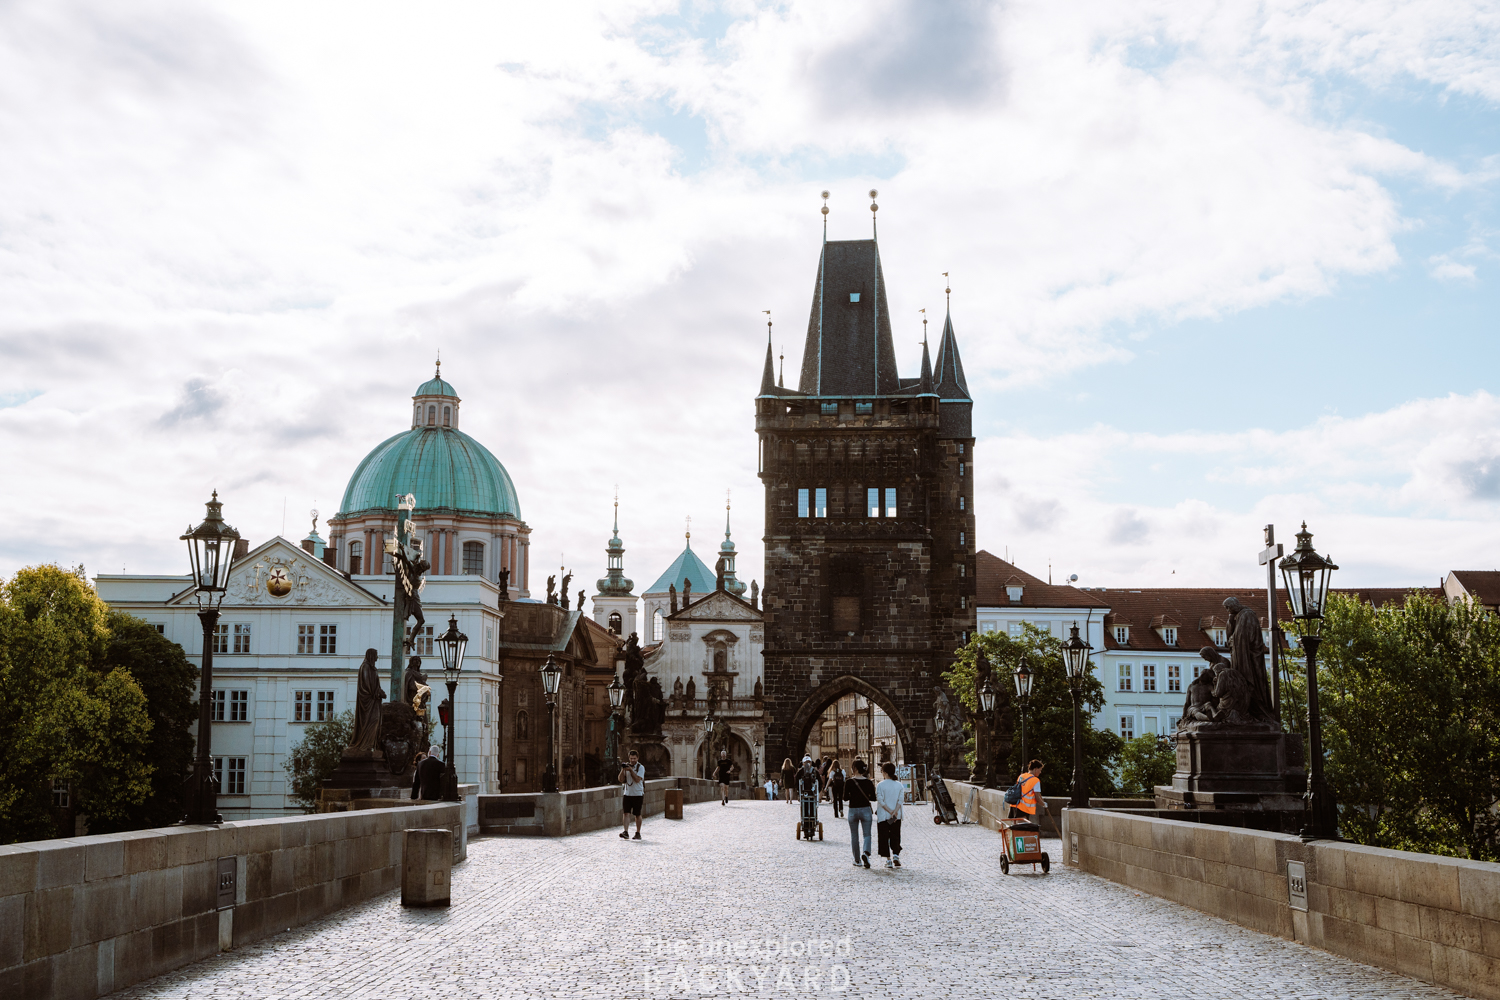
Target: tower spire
{"points": [[825, 216], [768, 376], [924, 386], [726, 553], [874, 228]]}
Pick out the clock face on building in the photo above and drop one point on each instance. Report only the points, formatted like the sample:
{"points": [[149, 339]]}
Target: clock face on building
{"points": [[278, 584]]}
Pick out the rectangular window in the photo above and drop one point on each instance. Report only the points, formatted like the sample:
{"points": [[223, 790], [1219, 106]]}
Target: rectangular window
{"points": [[830, 409], [325, 706], [301, 706], [1015, 630], [1122, 634], [1169, 636], [960, 470], [1127, 726], [960, 503], [872, 501], [487, 709], [162, 629], [890, 503], [239, 706], [60, 793], [1218, 637], [961, 539], [1172, 724], [216, 710], [221, 638], [306, 634], [1174, 677], [1198, 668], [473, 559], [231, 774], [328, 640], [489, 641], [1149, 725], [1127, 678], [242, 637], [863, 409], [1148, 677], [820, 502], [423, 643], [986, 628], [802, 503]]}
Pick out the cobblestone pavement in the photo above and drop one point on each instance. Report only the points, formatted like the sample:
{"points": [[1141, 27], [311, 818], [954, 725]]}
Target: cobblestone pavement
{"points": [[723, 903]]}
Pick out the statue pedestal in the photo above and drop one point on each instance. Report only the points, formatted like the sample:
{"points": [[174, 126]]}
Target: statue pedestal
{"points": [[1237, 768], [653, 753]]}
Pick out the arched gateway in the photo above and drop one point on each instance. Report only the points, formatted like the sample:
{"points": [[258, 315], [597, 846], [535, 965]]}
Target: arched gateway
{"points": [[869, 536]]}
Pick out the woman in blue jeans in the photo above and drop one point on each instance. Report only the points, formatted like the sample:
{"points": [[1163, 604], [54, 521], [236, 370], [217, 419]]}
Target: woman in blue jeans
{"points": [[859, 792]]}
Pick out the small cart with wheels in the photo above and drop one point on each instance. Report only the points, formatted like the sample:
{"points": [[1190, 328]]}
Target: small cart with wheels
{"points": [[1020, 844], [943, 810], [809, 823]]}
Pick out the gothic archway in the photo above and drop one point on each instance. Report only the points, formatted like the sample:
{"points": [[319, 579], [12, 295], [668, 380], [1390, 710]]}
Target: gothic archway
{"points": [[810, 712]]}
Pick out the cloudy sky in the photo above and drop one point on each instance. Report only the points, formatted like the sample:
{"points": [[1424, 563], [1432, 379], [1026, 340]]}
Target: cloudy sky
{"points": [[1213, 265]]}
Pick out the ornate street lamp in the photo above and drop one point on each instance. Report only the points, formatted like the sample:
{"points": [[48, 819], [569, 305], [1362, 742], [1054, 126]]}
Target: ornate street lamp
{"points": [[939, 738], [987, 709], [1076, 662], [211, 550], [551, 674], [755, 775], [1306, 574], [451, 645], [1023, 697], [616, 698]]}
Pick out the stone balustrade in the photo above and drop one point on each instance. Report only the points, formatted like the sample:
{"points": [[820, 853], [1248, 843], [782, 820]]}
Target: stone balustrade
{"points": [[581, 810]]}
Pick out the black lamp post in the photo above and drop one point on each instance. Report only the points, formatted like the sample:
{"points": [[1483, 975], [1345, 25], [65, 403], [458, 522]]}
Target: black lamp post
{"points": [[451, 645], [1023, 698], [987, 709], [551, 674], [939, 739], [755, 775], [1307, 575], [616, 698], [1076, 660], [211, 550]]}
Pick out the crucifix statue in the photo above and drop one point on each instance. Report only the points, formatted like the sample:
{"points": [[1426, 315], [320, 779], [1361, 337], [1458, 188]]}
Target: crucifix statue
{"points": [[405, 550], [1268, 558]]}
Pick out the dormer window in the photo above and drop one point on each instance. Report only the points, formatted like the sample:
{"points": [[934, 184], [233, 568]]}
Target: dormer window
{"points": [[1014, 593], [1169, 635], [853, 296], [1122, 634], [1218, 636]]}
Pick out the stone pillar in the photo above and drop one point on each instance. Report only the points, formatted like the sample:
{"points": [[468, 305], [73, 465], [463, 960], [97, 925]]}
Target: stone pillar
{"points": [[427, 867]]}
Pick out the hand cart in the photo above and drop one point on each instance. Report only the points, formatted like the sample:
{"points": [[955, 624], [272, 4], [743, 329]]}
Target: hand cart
{"points": [[808, 824], [1021, 843], [943, 810]]}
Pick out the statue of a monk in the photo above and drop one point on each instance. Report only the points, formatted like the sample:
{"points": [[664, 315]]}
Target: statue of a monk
{"points": [[1247, 654], [367, 705]]}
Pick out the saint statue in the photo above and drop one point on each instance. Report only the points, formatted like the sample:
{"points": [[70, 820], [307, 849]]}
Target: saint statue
{"points": [[552, 589], [1247, 654], [367, 704], [416, 693], [505, 585]]}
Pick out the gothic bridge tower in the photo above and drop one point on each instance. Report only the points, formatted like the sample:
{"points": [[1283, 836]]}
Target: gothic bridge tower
{"points": [[869, 540]]}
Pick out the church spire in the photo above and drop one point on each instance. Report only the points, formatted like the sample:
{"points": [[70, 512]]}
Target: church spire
{"points": [[924, 384], [615, 583], [768, 377], [727, 553], [951, 383]]}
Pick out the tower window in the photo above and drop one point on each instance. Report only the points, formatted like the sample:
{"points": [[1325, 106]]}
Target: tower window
{"points": [[960, 449], [356, 557], [473, 559], [448, 422], [863, 409], [656, 625], [802, 503], [830, 409], [872, 501], [960, 503], [890, 503], [853, 296], [615, 622], [960, 539], [431, 416], [960, 470], [820, 502]]}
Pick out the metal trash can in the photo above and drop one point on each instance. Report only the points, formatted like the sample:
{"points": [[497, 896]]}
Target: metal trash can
{"points": [[426, 867], [674, 803]]}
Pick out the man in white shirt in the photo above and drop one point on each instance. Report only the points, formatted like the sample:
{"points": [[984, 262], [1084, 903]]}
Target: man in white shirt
{"points": [[889, 795], [633, 786]]}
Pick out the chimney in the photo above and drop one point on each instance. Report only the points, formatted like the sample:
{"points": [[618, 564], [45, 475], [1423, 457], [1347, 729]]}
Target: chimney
{"points": [[241, 549], [307, 545]]}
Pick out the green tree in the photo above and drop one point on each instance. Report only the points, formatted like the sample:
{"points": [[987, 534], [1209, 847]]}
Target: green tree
{"points": [[67, 713], [170, 683], [1145, 762], [1410, 700], [1049, 716], [315, 757]]}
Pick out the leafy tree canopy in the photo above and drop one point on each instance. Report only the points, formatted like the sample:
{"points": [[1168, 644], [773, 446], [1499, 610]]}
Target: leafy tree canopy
{"points": [[316, 756], [1049, 716]]}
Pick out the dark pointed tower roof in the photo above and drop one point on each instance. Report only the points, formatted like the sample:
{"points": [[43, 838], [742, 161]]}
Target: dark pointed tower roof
{"points": [[924, 382], [951, 383], [768, 377], [849, 348]]}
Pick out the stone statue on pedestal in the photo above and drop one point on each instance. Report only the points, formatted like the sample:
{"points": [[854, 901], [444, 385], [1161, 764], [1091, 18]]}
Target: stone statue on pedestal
{"points": [[367, 705], [1247, 654], [417, 693], [505, 585]]}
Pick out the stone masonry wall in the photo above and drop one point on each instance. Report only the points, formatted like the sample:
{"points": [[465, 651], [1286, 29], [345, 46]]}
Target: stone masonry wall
{"points": [[1425, 916], [579, 811], [83, 917]]}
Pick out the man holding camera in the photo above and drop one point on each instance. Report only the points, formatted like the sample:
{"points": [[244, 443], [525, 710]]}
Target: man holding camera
{"points": [[632, 780]]}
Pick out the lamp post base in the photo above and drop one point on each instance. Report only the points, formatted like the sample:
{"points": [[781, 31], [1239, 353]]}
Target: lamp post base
{"points": [[201, 797]]}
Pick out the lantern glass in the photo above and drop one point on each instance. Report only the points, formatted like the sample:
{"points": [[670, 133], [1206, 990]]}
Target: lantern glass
{"points": [[616, 693], [1023, 682], [1307, 576], [939, 723], [211, 551], [551, 674], [451, 645], [987, 697], [1075, 656]]}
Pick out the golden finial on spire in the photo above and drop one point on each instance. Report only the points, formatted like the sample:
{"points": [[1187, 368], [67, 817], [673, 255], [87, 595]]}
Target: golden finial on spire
{"points": [[688, 527], [947, 288], [768, 326], [874, 229], [439, 372]]}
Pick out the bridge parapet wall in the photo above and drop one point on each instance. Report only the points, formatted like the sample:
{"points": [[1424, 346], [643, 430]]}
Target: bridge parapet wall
{"points": [[86, 916], [581, 810], [1422, 915]]}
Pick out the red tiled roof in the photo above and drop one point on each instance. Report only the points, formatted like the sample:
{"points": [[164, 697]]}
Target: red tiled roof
{"points": [[994, 574], [1481, 584]]}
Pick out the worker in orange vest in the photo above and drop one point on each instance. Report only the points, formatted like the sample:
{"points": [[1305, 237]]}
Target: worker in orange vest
{"points": [[1030, 781]]}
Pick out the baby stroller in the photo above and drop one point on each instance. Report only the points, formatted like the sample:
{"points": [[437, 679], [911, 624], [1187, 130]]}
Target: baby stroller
{"points": [[1021, 843]]}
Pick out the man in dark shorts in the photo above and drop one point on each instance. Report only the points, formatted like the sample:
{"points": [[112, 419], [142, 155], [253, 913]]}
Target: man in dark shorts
{"points": [[633, 784], [723, 773]]}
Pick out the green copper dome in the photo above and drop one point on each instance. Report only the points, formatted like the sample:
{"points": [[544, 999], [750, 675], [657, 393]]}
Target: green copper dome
{"points": [[436, 387], [443, 467]]}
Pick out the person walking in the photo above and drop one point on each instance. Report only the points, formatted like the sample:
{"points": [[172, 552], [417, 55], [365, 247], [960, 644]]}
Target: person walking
{"points": [[724, 772], [771, 789], [788, 778], [889, 795], [859, 792], [1031, 802], [427, 782], [632, 780], [836, 778]]}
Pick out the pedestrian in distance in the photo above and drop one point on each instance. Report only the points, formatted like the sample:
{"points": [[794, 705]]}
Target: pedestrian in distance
{"points": [[836, 778], [632, 780], [1031, 803], [724, 772], [889, 795], [771, 789], [859, 792], [427, 782], [788, 779]]}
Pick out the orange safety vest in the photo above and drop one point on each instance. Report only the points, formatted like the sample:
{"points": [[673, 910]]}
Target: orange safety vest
{"points": [[1028, 792]]}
